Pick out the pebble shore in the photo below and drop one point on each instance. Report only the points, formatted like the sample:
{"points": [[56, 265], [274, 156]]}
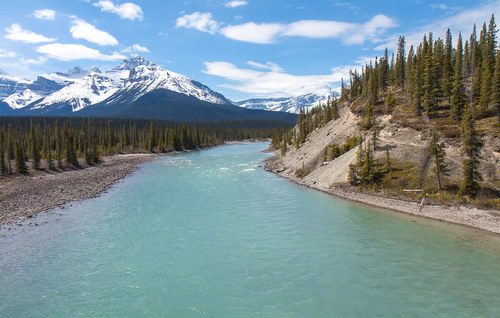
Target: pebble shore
{"points": [[25, 196]]}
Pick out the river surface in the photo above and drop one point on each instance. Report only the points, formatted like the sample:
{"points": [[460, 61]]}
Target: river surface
{"points": [[210, 234]]}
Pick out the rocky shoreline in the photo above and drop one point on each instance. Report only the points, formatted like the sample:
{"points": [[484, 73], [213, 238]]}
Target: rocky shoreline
{"points": [[23, 197], [486, 220]]}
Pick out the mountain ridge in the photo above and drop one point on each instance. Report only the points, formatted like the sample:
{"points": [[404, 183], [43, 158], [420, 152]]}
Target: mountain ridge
{"points": [[136, 87]]}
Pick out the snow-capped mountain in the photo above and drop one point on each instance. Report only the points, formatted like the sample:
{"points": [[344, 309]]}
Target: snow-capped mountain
{"points": [[127, 82], [289, 104], [32, 92], [10, 84], [145, 76], [136, 88]]}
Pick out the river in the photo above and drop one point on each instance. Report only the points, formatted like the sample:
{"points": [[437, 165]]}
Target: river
{"points": [[211, 234]]}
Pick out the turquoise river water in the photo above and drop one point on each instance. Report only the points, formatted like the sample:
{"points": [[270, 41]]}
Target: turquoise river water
{"points": [[211, 234]]}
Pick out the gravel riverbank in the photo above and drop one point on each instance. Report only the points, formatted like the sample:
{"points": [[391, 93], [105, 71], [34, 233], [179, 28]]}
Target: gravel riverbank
{"points": [[487, 220], [23, 197]]}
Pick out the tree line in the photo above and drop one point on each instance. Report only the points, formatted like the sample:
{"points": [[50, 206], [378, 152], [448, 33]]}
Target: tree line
{"points": [[438, 79], [27, 142]]}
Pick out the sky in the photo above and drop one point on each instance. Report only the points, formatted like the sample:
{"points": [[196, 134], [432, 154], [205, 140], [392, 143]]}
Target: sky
{"points": [[240, 48]]}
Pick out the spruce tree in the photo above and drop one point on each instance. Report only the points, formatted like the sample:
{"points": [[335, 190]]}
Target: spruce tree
{"points": [[495, 90], [20, 159], [3, 164], [401, 62], [437, 152], [390, 101], [34, 149], [367, 170], [10, 148], [71, 158], [471, 148], [59, 143], [458, 95], [448, 74], [152, 135], [335, 110]]}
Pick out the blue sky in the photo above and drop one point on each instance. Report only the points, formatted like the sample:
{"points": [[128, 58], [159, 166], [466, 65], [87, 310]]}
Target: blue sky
{"points": [[242, 49]]}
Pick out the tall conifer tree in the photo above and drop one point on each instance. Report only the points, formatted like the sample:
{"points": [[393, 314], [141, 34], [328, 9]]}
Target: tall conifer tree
{"points": [[458, 97], [471, 148]]}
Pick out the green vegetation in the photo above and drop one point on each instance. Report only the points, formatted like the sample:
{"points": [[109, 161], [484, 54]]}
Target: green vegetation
{"points": [[449, 93], [68, 142]]}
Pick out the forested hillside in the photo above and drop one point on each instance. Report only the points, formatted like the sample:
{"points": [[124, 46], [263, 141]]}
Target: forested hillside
{"points": [[445, 96]]}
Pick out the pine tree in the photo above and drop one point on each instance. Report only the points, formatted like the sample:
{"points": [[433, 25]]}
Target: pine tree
{"points": [[400, 62], [48, 156], [58, 141], [375, 138], [152, 135], [495, 90], [3, 164], [458, 95], [367, 171], [335, 110], [488, 64], [20, 159], [34, 149], [436, 150], [448, 77], [325, 154], [390, 101], [388, 167], [471, 148], [10, 148], [429, 86], [71, 158]]}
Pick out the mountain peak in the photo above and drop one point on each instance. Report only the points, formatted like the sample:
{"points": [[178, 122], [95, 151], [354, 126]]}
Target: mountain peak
{"points": [[77, 70], [95, 69], [133, 62]]}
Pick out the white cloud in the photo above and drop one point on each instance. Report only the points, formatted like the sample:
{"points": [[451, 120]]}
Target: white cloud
{"points": [[268, 66], [271, 79], [236, 3], [136, 48], [38, 61], [45, 14], [265, 33], [438, 6], [83, 30], [71, 52], [126, 10], [7, 54], [461, 21], [199, 21], [17, 33]]}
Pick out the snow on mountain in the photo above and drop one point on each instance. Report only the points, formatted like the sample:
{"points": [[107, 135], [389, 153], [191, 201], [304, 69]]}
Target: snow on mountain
{"points": [[145, 77], [22, 98], [10, 84], [91, 89], [27, 94], [130, 80], [289, 104]]}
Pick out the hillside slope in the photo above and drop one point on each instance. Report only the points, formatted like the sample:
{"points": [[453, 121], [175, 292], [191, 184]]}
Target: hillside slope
{"points": [[407, 148]]}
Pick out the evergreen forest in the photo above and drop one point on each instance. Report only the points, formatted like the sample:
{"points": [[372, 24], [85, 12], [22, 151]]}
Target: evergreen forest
{"points": [[448, 89], [53, 143]]}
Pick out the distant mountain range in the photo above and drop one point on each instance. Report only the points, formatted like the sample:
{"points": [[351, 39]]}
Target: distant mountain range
{"points": [[137, 88], [289, 104]]}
